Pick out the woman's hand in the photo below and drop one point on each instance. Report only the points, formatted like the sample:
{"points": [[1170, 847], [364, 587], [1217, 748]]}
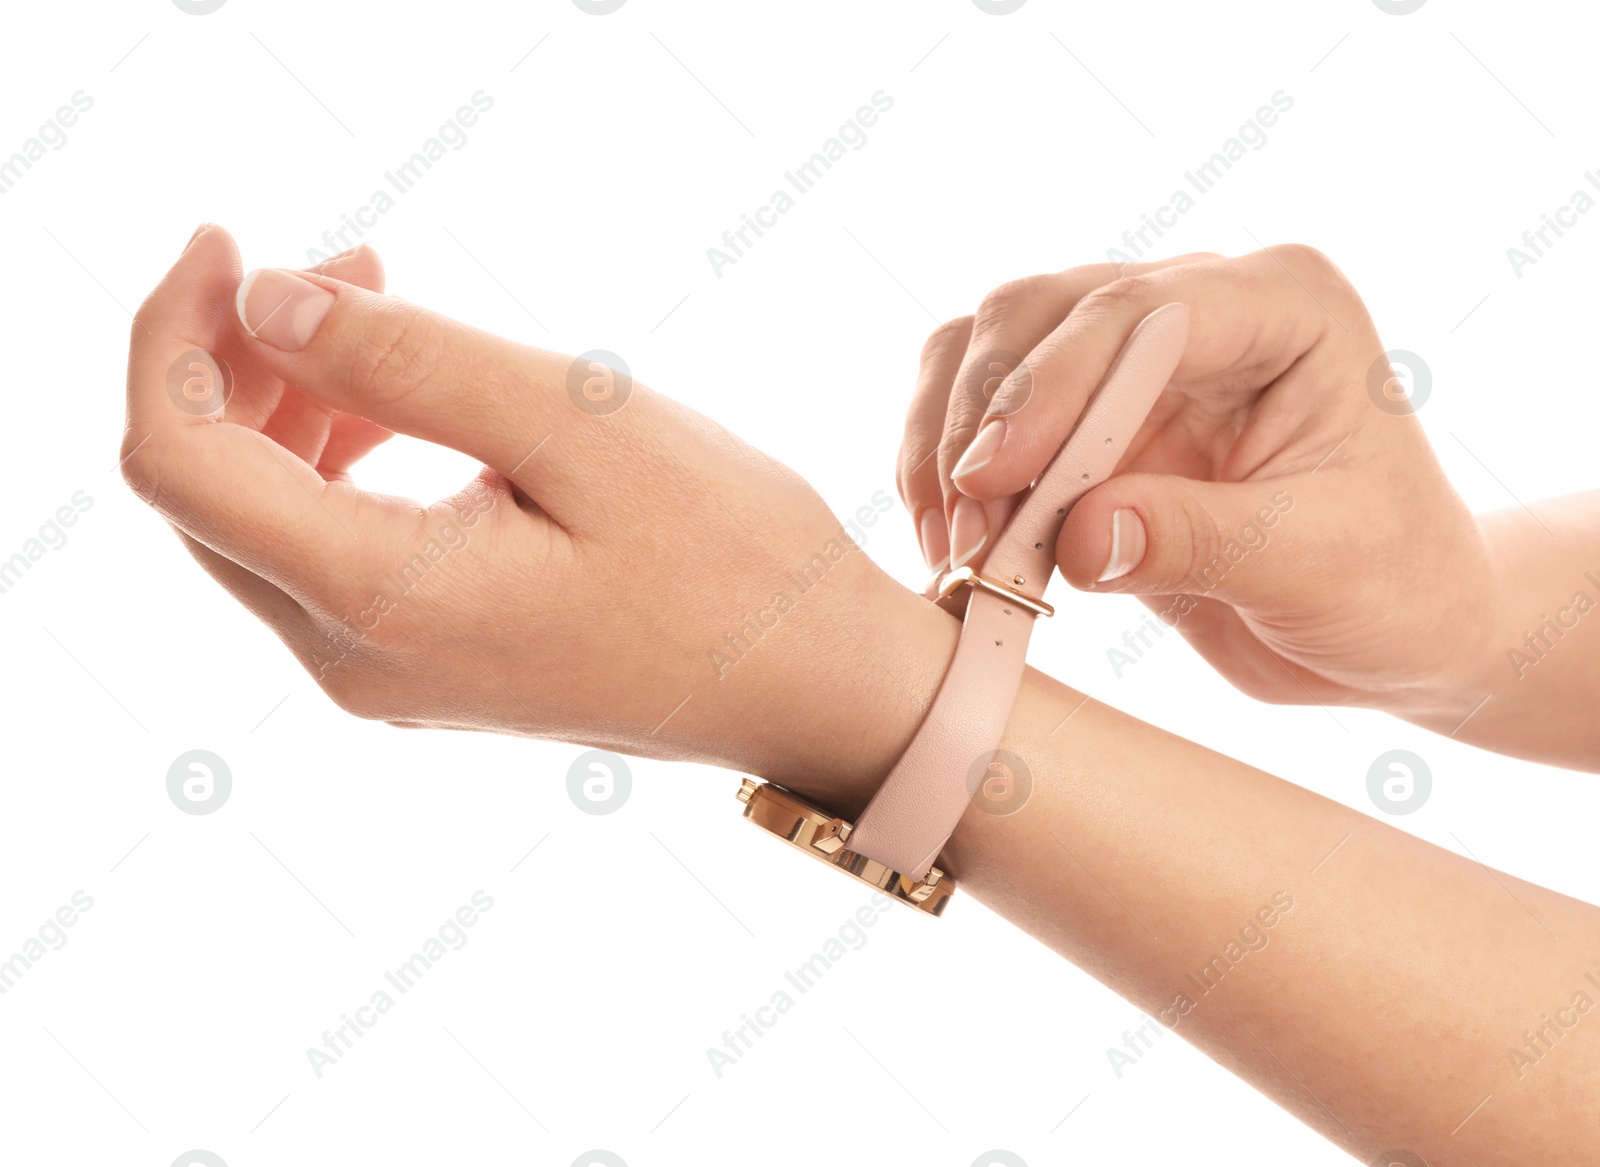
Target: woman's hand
{"points": [[1280, 508], [622, 573], [578, 587]]}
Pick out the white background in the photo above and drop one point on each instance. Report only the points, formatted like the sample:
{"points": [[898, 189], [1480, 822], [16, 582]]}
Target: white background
{"points": [[1418, 149]]}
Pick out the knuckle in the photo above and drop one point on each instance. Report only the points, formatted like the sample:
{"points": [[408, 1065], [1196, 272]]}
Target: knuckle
{"points": [[1118, 295], [1310, 265], [952, 444], [355, 697], [917, 465], [1004, 301], [141, 471], [395, 357], [949, 336], [1200, 559], [1303, 254]]}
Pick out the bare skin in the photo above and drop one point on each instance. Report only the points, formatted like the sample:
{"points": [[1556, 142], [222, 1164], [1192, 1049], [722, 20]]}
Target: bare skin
{"points": [[1381, 1006], [1364, 578]]}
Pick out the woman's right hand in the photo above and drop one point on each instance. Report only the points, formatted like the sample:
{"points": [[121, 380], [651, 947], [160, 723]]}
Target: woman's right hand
{"points": [[1280, 508]]}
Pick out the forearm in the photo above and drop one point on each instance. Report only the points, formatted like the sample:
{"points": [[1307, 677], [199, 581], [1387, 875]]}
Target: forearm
{"points": [[1141, 857], [1303, 945], [1538, 687]]}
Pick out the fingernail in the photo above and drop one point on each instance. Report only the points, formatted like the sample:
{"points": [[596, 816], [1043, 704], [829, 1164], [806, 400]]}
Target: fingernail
{"points": [[198, 231], [1127, 544], [282, 310], [340, 258], [983, 449], [969, 530], [935, 538]]}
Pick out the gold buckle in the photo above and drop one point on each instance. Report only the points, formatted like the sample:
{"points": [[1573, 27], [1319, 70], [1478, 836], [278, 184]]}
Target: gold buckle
{"points": [[823, 836], [961, 576]]}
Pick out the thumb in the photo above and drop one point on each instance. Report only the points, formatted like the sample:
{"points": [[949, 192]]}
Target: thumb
{"points": [[1243, 543]]}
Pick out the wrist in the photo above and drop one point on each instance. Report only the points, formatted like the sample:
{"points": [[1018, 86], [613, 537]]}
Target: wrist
{"points": [[1464, 646], [871, 661]]}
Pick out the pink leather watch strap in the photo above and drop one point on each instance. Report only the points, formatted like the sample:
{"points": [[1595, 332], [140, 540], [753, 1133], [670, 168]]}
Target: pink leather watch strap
{"points": [[919, 804]]}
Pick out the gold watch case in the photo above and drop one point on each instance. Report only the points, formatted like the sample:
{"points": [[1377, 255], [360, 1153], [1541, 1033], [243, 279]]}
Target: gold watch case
{"points": [[823, 836]]}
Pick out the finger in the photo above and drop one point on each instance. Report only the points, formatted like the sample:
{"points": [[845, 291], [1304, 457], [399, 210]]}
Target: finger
{"points": [[268, 603], [301, 424], [313, 645], [1248, 544], [1010, 323], [360, 265], [972, 525], [918, 472], [350, 439], [1251, 319], [1012, 320], [224, 484], [550, 424], [1229, 643]]}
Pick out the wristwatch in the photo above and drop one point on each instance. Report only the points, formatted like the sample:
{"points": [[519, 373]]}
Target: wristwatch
{"points": [[894, 845]]}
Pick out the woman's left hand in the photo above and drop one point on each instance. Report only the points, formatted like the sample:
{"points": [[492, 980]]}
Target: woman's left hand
{"points": [[622, 573]]}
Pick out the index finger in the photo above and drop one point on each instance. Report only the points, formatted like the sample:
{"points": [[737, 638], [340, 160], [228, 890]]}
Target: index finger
{"points": [[1010, 323], [227, 485], [1252, 319]]}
